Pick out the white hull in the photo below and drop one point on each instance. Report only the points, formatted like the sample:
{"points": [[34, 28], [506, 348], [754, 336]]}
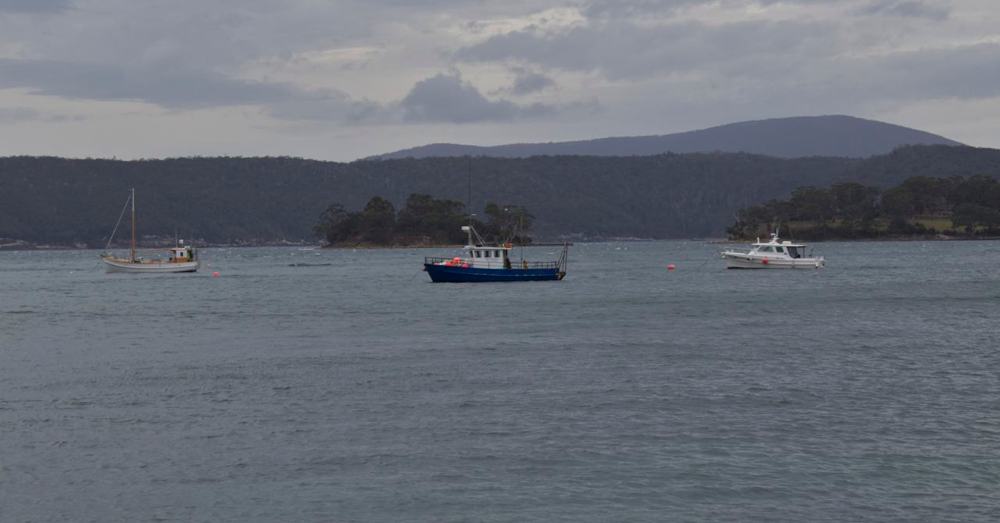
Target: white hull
{"points": [[742, 260], [119, 265]]}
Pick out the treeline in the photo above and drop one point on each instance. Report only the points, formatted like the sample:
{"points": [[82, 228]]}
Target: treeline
{"points": [[921, 205], [423, 220], [275, 200]]}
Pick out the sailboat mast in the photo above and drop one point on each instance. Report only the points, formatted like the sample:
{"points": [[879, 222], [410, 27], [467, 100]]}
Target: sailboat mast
{"points": [[132, 245]]}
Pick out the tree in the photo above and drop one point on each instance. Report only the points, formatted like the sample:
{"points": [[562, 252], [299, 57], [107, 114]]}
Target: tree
{"points": [[930, 196], [854, 202], [378, 221], [898, 203], [971, 215], [440, 221], [812, 204], [335, 224]]}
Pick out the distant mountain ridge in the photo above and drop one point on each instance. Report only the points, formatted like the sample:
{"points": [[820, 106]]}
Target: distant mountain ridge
{"points": [[796, 137]]}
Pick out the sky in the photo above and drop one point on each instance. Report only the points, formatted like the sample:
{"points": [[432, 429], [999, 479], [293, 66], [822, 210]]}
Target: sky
{"points": [[344, 79]]}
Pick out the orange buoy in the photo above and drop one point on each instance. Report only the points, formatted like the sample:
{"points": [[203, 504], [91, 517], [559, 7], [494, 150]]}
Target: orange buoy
{"points": [[671, 267]]}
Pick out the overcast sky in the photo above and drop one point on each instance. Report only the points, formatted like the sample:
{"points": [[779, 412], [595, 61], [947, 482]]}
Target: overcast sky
{"points": [[340, 80]]}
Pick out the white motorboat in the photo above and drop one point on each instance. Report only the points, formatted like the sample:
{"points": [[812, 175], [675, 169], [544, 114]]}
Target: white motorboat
{"points": [[773, 254], [181, 259]]}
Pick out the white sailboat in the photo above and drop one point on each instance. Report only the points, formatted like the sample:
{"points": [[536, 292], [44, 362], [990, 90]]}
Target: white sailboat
{"points": [[182, 257]]}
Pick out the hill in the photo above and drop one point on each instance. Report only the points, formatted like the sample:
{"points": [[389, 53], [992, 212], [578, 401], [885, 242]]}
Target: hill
{"points": [[271, 200], [840, 136]]}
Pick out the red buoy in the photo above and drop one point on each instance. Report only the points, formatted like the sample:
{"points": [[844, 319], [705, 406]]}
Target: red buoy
{"points": [[215, 274], [764, 261], [671, 267]]}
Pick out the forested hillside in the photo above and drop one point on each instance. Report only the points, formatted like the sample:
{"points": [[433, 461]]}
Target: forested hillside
{"points": [[268, 200], [921, 206]]}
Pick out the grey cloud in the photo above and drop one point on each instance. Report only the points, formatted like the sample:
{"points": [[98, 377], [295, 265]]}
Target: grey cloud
{"points": [[870, 83], [442, 98], [960, 72], [17, 114], [33, 6], [10, 115], [633, 8], [528, 82], [179, 89], [447, 98], [621, 49], [906, 8], [624, 8], [176, 89], [332, 106]]}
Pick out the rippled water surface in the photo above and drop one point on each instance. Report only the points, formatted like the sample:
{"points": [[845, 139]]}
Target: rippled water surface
{"points": [[359, 391]]}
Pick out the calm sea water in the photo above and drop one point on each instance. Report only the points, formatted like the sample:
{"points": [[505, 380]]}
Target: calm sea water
{"points": [[359, 391]]}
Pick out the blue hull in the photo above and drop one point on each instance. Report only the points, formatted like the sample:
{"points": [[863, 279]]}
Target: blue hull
{"points": [[454, 274]]}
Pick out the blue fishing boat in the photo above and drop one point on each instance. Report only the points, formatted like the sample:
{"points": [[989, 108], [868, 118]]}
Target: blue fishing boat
{"points": [[483, 263]]}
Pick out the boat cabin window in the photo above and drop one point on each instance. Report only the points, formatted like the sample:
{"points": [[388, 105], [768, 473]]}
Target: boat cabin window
{"points": [[794, 252], [767, 248], [488, 253], [779, 249]]}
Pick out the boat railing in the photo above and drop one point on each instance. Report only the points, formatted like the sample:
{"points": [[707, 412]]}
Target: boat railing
{"points": [[514, 264]]}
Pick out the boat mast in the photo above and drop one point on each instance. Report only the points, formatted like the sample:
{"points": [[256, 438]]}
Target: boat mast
{"points": [[468, 201], [132, 245]]}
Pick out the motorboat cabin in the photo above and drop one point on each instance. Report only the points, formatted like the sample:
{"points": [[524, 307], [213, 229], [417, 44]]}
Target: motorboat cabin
{"points": [[773, 254]]}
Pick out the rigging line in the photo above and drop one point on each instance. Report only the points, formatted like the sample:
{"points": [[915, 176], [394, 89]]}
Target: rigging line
{"points": [[119, 222]]}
